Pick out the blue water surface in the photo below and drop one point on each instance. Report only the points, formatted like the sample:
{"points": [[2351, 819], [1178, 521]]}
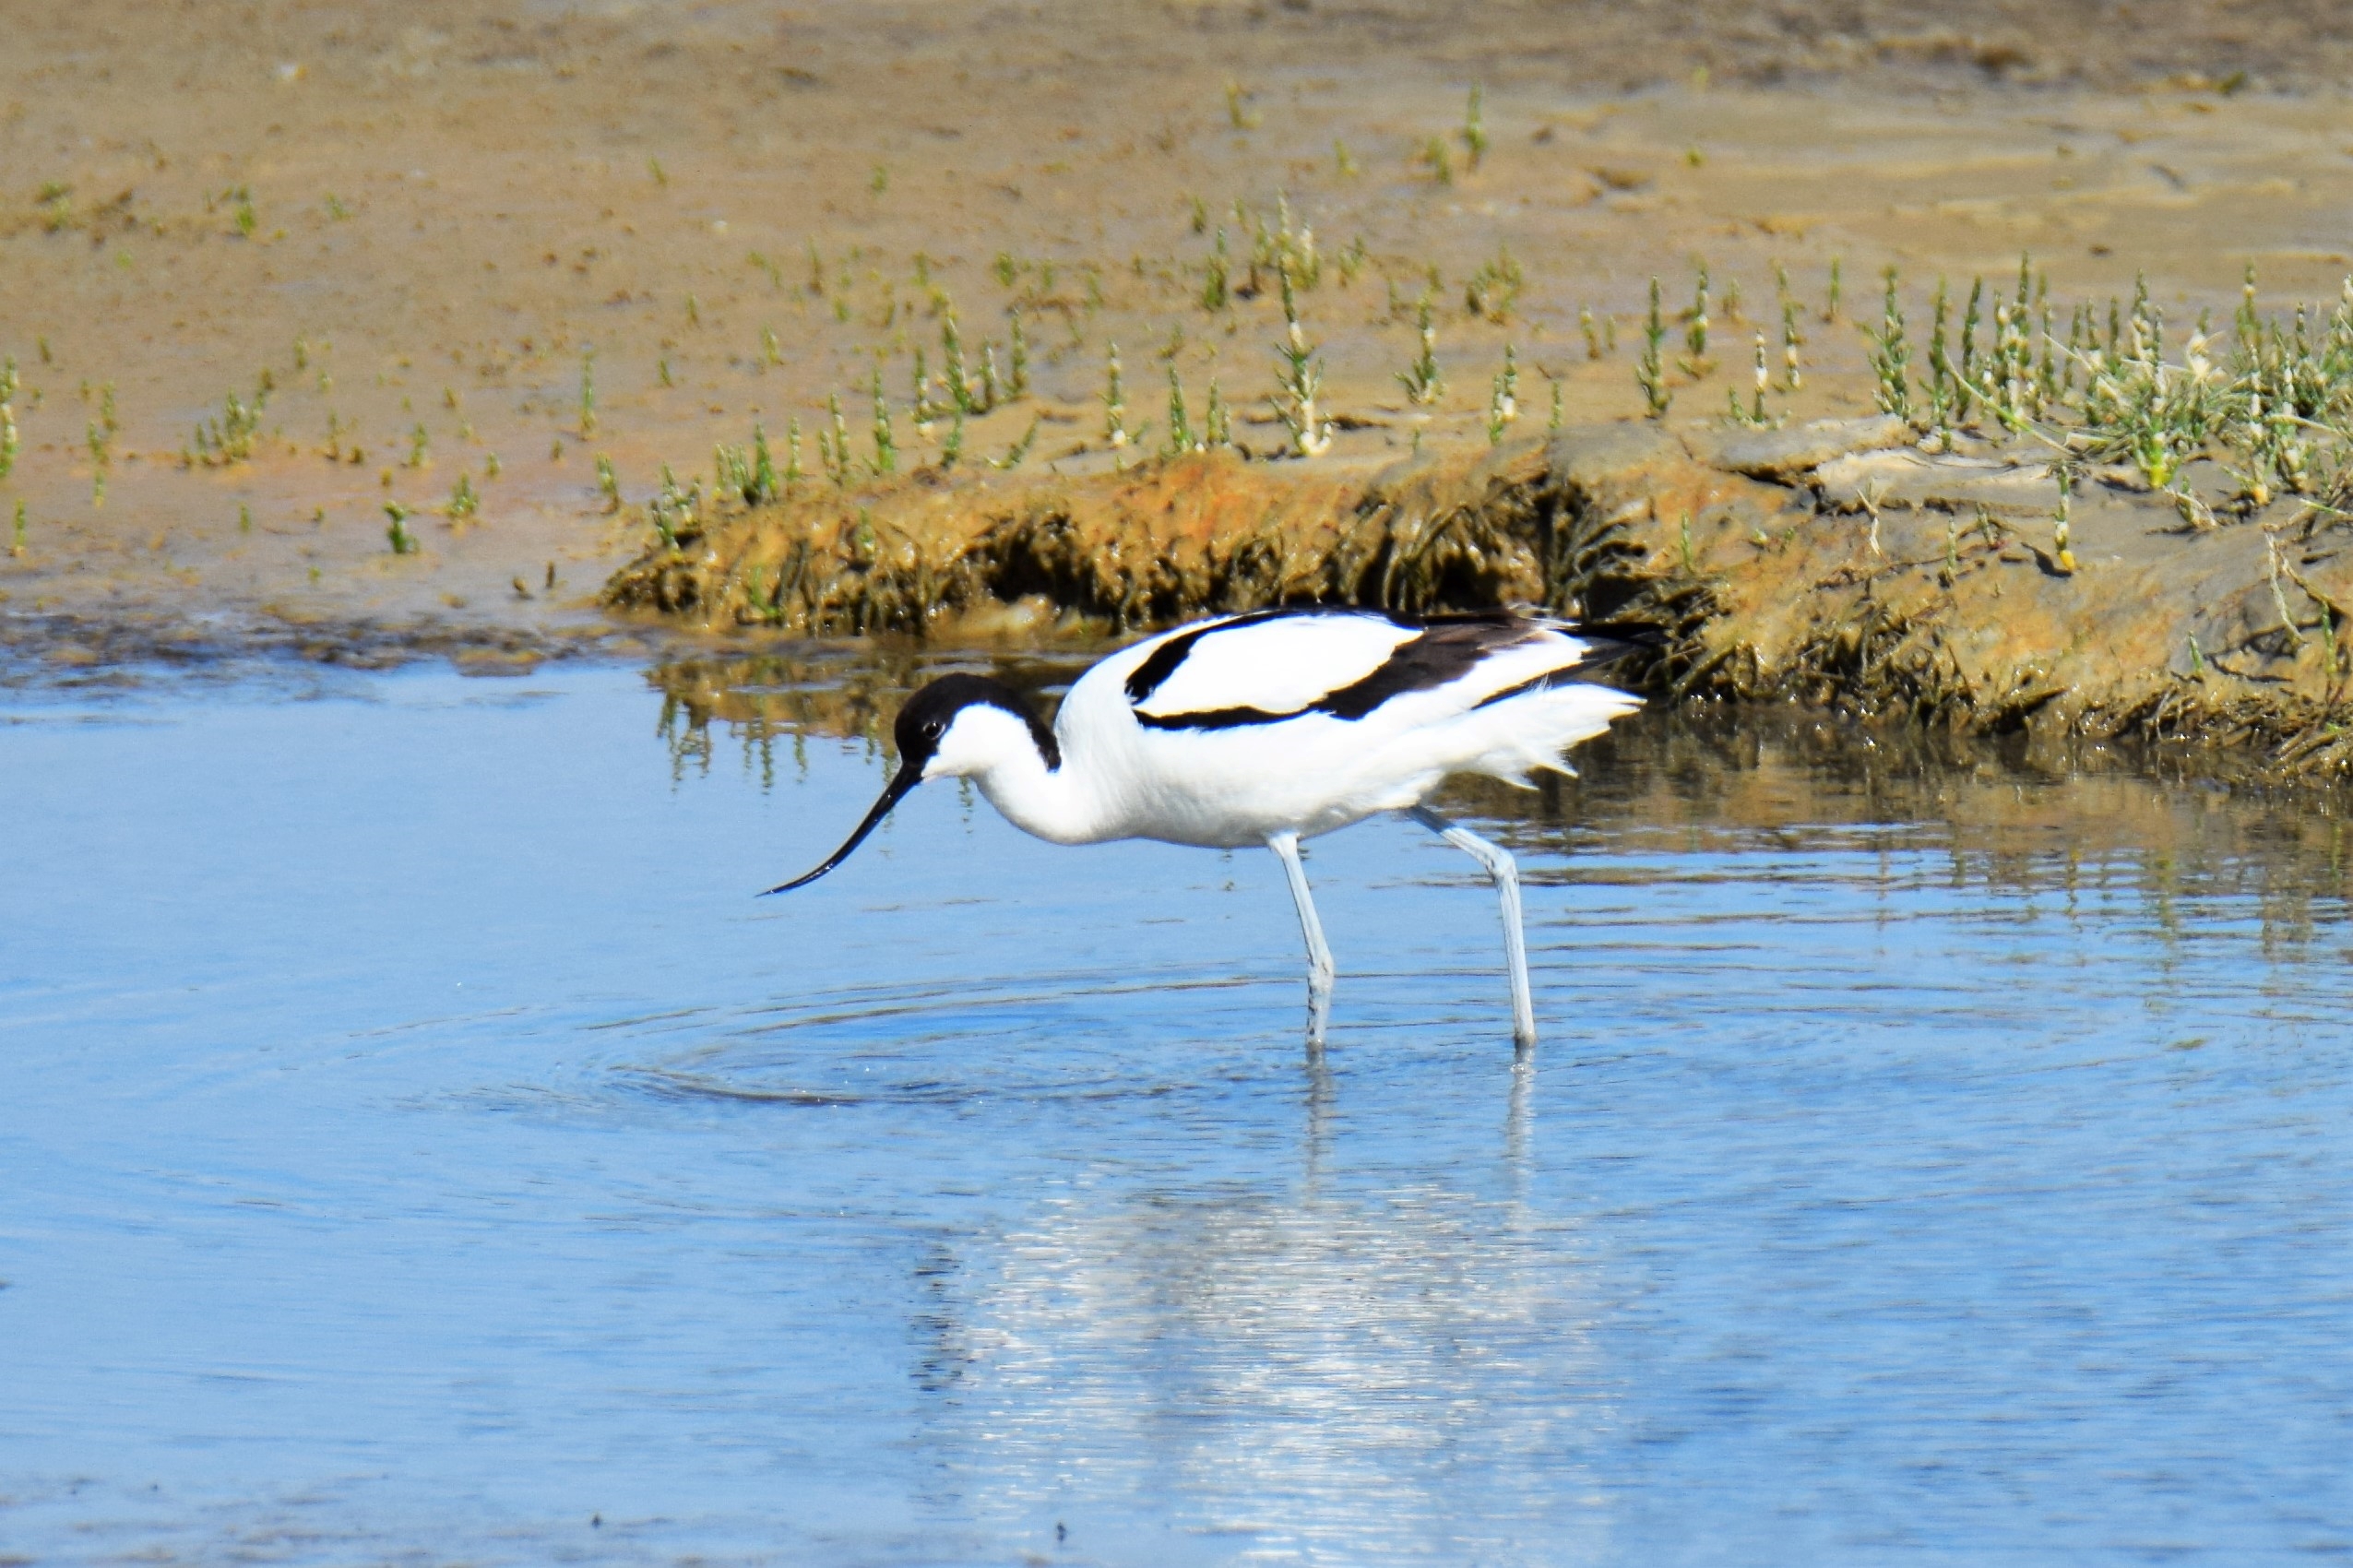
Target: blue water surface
{"points": [[416, 1143]]}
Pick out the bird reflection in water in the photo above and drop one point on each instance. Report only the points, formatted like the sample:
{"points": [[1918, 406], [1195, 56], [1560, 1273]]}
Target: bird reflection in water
{"points": [[1238, 1358]]}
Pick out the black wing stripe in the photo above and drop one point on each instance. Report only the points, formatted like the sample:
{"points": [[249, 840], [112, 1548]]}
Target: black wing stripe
{"points": [[1216, 719], [1446, 650], [1443, 652]]}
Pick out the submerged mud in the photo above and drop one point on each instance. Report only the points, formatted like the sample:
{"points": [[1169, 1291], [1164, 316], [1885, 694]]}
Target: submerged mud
{"points": [[1833, 563]]}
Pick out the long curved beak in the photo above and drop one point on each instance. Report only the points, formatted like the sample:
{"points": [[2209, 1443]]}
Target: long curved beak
{"points": [[907, 777]]}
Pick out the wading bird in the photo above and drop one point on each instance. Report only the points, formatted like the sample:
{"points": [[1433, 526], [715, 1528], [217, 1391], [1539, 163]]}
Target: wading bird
{"points": [[1268, 728]]}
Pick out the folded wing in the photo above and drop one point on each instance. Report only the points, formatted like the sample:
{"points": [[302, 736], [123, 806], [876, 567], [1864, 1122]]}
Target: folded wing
{"points": [[1272, 666]]}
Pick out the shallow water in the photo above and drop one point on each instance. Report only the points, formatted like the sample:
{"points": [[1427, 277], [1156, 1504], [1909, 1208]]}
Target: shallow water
{"points": [[416, 1142]]}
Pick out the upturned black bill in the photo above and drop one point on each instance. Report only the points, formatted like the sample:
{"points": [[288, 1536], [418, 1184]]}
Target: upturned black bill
{"points": [[909, 775]]}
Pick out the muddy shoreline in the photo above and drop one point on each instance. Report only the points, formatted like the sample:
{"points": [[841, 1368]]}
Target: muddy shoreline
{"points": [[1769, 578]]}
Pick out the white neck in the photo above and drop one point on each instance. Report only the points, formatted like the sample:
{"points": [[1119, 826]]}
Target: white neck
{"points": [[1049, 803], [996, 751]]}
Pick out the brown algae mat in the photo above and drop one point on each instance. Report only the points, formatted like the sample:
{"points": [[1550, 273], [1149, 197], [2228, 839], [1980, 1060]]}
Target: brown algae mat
{"points": [[463, 327]]}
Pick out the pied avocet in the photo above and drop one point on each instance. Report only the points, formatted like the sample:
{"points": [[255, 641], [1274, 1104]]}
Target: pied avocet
{"points": [[1268, 728]]}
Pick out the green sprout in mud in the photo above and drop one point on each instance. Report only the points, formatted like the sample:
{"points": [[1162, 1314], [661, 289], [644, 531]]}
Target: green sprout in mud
{"points": [[764, 477], [1792, 340], [1836, 301], [731, 473], [671, 512], [17, 531], [229, 436], [1591, 333], [1217, 419], [55, 200], [1943, 382], [1181, 437], [1695, 362], [492, 468], [1018, 453], [792, 476], [1502, 398], [833, 443], [1474, 131], [463, 502], [1343, 162], [2061, 555], [397, 532], [1115, 431], [992, 389], [1299, 381], [607, 484], [1423, 381], [101, 442], [1754, 415], [1353, 261], [1649, 371], [1891, 356], [1017, 359], [1494, 287], [771, 351], [952, 449], [1438, 161], [11, 442], [959, 383], [419, 441], [885, 458], [1217, 287], [1966, 386], [1237, 112], [587, 393], [919, 407]]}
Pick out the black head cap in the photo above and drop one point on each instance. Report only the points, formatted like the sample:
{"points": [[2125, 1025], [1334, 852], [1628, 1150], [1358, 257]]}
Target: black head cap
{"points": [[929, 713], [921, 723]]}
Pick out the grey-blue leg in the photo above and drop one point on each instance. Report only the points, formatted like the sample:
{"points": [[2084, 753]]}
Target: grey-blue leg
{"points": [[1505, 873], [1319, 957]]}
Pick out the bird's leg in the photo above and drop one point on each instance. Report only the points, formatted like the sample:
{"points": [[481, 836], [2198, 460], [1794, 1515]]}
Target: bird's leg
{"points": [[1319, 957], [1506, 876]]}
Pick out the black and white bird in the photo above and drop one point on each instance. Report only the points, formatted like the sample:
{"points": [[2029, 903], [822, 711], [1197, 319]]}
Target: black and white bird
{"points": [[1272, 726]]}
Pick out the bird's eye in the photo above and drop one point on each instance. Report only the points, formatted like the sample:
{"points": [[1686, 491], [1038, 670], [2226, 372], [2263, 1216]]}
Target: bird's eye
{"points": [[934, 728]]}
